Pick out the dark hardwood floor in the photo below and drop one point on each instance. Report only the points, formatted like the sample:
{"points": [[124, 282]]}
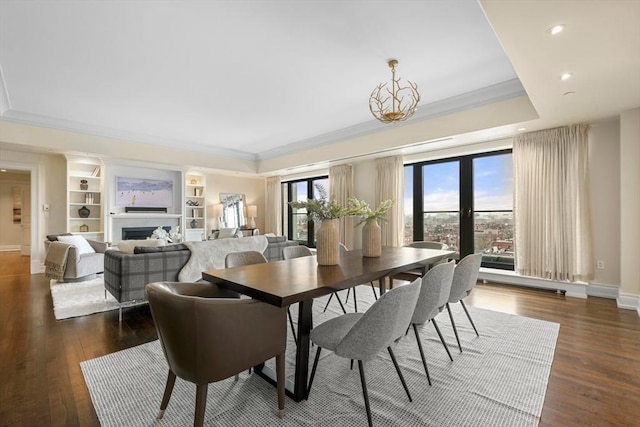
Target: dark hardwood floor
{"points": [[594, 381]]}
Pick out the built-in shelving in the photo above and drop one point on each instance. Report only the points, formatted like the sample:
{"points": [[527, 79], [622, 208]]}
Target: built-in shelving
{"points": [[195, 209], [85, 190]]}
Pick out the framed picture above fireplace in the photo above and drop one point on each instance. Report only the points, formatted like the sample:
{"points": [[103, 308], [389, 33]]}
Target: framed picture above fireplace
{"points": [[144, 192]]}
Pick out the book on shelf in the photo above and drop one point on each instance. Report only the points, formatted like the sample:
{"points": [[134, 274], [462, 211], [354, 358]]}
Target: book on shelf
{"points": [[96, 171]]}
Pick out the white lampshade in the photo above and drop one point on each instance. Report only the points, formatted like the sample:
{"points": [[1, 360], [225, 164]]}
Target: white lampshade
{"points": [[252, 211]]}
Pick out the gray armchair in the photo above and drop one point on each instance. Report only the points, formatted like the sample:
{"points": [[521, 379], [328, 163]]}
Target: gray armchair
{"points": [[78, 266]]}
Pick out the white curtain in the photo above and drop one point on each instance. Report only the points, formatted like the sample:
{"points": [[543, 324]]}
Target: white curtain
{"points": [[273, 208], [551, 206], [340, 189], [390, 185]]}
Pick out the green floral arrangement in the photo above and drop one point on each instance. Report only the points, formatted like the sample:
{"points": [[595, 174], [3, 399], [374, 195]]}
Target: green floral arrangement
{"points": [[361, 208], [321, 208]]}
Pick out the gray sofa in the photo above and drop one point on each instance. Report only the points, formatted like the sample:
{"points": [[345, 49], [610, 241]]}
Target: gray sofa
{"points": [[79, 267], [126, 275]]}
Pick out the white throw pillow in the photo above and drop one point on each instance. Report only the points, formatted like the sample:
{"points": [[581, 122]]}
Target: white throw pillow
{"points": [[79, 242], [227, 232], [127, 246]]}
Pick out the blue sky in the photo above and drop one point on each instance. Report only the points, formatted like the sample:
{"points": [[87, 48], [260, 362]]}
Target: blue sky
{"points": [[493, 185]]}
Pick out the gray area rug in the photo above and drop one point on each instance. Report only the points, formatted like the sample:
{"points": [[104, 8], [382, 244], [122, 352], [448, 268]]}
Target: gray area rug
{"points": [[499, 380], [75, 299]]}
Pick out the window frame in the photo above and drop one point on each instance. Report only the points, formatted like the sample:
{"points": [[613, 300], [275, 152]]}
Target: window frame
{"points": [[310, 242], [466, 203]]}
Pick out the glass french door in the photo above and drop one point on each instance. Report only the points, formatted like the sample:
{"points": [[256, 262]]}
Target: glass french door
{"points": [[465, 202]]}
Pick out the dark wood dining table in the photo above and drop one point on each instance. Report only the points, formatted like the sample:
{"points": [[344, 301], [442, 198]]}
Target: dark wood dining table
{"points": [[300, 280]]}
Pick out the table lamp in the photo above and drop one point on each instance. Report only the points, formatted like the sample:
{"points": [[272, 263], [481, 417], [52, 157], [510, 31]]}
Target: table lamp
{"points": [[252, 213]]}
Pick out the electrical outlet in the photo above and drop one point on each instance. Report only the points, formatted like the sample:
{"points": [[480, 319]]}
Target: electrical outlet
{"points": [[600, 265]]}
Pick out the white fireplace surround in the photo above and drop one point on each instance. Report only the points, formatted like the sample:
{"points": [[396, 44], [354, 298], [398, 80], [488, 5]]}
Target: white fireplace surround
{"points": [[116, 222]]}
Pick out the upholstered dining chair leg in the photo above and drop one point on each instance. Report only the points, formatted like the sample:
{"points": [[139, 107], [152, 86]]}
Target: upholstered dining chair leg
{"points": [[444, 343], [340, 302], [346, 300], [355, 300], [327, 304], [395, 363], [171, 380], [293, 329], [373, 288], [313, 371], [453, 324], [469, 316], [280, 386], [201, 404], [424, 361], [365, 394]]}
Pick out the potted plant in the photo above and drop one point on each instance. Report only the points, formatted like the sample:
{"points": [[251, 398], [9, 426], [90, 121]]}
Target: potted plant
{"points": [[371, 232], [325, 212]]}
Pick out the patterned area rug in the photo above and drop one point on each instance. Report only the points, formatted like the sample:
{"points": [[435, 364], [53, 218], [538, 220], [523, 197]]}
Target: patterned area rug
{"points": [[81, 298], [500, 379]]}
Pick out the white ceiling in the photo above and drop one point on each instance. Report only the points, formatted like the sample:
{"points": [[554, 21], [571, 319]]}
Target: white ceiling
{"points": [[259, 80]]}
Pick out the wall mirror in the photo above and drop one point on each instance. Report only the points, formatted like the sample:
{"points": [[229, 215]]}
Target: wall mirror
{"points": [[232, 209]]}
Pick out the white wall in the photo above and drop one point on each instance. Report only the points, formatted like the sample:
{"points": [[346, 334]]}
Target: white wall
{"points": [[252, 188], [604, 159], [630, 203]]}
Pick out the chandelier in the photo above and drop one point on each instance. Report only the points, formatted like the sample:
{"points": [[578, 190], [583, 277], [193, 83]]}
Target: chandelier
{"points": [[394, 104]]}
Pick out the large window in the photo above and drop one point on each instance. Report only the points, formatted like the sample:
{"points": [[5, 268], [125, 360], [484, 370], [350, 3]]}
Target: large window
{"points": [[465, 202], [299, 227]]}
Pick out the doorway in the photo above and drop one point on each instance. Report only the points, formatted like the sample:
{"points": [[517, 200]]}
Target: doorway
{"points": [[15, 219], [28, 228]]}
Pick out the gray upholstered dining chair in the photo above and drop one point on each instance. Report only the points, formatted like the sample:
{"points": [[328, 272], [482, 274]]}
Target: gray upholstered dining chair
{"points": [[237, 259], [247, 332], [411, 275], [465, 277], [355, 301], [361, 336], [436, 287], [299, 251]]}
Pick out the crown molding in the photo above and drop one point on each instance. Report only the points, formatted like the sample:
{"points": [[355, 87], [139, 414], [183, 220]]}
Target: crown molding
{"points": [[5, 102], [466, 101], [24, 118]]}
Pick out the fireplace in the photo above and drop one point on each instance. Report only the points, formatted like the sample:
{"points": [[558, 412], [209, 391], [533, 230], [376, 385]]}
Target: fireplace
{"points": [[140, 233]]}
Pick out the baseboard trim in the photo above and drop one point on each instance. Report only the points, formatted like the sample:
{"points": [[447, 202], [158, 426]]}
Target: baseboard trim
{"points": [[37, 266], [603, 290], [572, 289], [10, 248], [629, 302]]}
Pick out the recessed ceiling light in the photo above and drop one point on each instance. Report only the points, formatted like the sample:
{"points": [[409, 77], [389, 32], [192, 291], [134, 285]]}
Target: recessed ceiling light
{"points": [[556, 29], [568, 93], [521, 129], [566, 76]]}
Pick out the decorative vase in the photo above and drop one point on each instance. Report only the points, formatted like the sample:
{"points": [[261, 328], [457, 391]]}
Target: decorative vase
{"points": [[371, 239], [83, 184], [194, 223], [327, 241], [84, 212]]}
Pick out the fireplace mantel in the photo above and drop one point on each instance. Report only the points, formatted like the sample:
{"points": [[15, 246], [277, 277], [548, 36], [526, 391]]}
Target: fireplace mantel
{"points": [[117, 221]]}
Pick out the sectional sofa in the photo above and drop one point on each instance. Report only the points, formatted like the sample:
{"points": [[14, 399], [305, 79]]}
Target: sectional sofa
{"points": [[127, 274]]}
